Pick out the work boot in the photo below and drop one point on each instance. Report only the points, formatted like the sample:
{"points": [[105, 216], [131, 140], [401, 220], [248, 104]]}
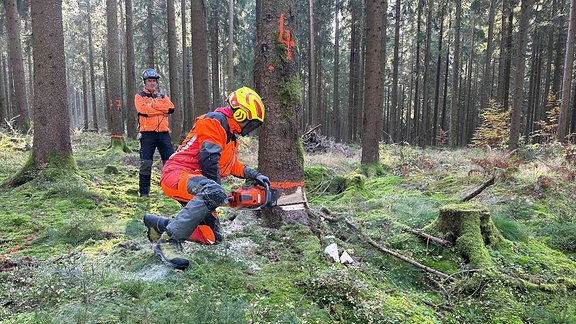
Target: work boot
{"points": [[170, 251], [214, 223], [156, 225]]}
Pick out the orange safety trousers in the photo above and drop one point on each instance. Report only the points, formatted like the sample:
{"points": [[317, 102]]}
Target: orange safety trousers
{"points": [[203, 233]]}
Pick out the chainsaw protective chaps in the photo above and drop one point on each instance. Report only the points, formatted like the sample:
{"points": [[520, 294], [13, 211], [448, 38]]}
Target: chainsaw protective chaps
{"points": [[208, 195]]}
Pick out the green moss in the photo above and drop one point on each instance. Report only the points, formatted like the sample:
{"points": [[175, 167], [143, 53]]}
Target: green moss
{"points": [[289, 91]]}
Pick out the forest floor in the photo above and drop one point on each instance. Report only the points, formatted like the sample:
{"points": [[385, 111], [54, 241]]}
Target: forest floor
{"points": [[73, 247]]}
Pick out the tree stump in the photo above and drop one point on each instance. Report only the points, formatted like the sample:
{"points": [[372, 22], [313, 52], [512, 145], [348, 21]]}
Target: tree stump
{"points": [[470, 227]]}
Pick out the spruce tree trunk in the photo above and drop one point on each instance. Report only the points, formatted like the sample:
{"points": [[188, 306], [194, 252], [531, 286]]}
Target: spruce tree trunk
{"points": [[91, 63], [22, 119], [455, 110], [372, 119], [520, 53], [563, 119], [173, 67], [200, 57], [51, 147], [276, 76], [114, 83], [131, 112]]}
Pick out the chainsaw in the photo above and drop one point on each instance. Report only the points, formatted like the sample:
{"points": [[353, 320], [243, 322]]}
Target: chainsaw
{"points": [[258, 197]]}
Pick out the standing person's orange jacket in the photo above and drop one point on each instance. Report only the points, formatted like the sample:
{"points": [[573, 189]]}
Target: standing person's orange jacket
{"points": [[153, 110]]}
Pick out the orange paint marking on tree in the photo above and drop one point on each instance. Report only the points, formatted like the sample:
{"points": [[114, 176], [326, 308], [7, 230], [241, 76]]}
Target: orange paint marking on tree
{"points": [[288, 40]]}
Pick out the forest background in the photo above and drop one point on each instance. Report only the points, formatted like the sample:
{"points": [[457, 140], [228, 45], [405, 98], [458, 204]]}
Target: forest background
{"points": [[412, 75]]}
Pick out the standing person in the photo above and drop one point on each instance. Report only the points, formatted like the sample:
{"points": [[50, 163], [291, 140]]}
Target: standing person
{"points": [[193, 173], [153, 110]]}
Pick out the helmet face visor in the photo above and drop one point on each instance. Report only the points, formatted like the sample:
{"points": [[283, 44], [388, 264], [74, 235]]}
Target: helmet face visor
{"points": [[250, 126]]}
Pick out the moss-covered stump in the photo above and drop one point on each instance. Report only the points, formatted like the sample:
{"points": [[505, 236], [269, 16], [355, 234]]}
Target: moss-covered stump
{"points": [[470, 227]]}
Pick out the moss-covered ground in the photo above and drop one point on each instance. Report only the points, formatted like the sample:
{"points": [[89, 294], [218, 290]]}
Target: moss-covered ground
{"points": [[73, 248]]}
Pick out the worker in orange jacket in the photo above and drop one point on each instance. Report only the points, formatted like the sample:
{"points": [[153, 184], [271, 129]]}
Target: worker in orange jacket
{"points": [[153, 110], [192, 175]]}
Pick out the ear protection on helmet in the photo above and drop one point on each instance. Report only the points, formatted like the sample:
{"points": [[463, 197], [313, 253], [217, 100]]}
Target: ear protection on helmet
{"points": [[240, 115]]}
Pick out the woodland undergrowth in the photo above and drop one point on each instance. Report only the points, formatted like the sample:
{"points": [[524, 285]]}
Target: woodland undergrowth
{"points": [[74, 249]]}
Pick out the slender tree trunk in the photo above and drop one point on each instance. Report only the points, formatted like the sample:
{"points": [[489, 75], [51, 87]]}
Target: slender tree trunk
{"points": [[337, 118], [91, 63], [230, 70], [395, 112], [455, 109], [563, 119], [372, 112], [525, 13], [214, 35], [150, 57], [486, 88], [114, 72], [22, 119], [173, 67], [131, 113], [199, 57], [426, 137], [84, 97], [187, 111], [312, 111], [435, 120]]}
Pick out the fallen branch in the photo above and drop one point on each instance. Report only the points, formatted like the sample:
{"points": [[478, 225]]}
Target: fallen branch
{"points": [[400, 256], [479, 190], [428, 236]]}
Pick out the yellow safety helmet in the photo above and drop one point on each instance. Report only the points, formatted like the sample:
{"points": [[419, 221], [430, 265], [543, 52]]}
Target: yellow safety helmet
{"points": [[247, 106]]}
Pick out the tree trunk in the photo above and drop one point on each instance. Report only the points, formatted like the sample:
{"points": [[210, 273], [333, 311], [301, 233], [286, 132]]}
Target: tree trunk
{"points": [[394, 129], [435, 121], [372, 118], [150, 35], [455, 109], [276, 77], [486, 88], [516, 116], [470, 228], [215, 56], [131, 113], [173, 67], [187, 109], [426, 136], [21, 116], [52, 147], [91, 63], [563, 119], [114, 84], [336, 114], [199, 57], [312, 111], [84, 97], [230, 70]]}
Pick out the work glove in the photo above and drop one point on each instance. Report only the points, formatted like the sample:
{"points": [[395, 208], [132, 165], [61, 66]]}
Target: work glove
{"points": [[252, 174]]}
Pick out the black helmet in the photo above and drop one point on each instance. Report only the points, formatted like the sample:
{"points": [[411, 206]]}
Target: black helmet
{"points": [[150, 74]]}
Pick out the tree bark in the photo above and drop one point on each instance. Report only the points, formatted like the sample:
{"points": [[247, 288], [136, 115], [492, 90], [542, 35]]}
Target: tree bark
{"points": [[230, 69], [336, 114], [277, 60], [21, 115], [173, 67], [52, 147], [114, 84], [131, 115], [455, 109], [215, 58], [372, 119], [563, 119], [91, 64], [150, 57], [199, 57], [516, 116], [312, 109]]}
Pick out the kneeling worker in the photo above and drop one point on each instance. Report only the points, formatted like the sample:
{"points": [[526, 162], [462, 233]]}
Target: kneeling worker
{"points": [[193, 173]]}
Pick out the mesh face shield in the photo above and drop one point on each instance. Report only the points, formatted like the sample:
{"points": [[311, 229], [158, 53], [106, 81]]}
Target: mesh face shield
{"points": [[250, 126]]}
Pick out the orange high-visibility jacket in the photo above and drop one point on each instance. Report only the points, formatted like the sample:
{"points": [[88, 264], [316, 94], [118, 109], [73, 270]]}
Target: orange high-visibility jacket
{"points": [[153, 110], [210, 149]]}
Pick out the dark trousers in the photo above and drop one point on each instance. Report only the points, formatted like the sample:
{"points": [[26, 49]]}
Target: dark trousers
{"points": [[149, 142]]}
